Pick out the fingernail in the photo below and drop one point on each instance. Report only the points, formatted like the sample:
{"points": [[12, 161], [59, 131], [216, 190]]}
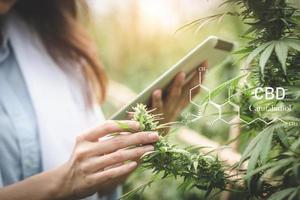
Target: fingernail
{"points": [[182, 75], [153, 136], [157, 93], [132, 164], [149, 148], [137, 126]]}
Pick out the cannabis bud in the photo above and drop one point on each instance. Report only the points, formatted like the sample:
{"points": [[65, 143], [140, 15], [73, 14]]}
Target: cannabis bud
{"points": [[197, 170]]}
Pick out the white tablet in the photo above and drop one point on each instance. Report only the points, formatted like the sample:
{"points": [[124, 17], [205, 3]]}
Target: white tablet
{"points": [[214, 50]]}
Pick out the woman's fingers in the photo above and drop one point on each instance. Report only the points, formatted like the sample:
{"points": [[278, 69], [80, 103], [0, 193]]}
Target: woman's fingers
{"points": [[189, 94], [112, 173], [95, 164], [193, 80], [174, 92], [185, 99], [203, 68], [91, 167], [157, 101], [123, 141], [196, 80], [176, 87], [109, 127]]}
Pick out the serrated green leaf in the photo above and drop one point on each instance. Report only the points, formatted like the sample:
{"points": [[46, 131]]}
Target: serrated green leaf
{"points": [[252, 145], [293, 195], [253, 160], [265, 57], [281, 50], [259, 169], [266, 144], [295, 44], [280, 165], [221, 87], [251, 166], [249, 30], [283, 138], [282, 194], [256, 52], [296, 170], [295, 146]]}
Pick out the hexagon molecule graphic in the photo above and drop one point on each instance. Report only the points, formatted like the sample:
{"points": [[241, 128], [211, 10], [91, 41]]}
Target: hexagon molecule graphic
{"points": [[203, 90], [220, 112], [229, 111], [212, 112]]}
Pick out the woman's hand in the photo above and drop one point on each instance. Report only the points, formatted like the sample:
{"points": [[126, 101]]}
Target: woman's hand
{"points": [[176, 97], [104, 163], [94, 166]]}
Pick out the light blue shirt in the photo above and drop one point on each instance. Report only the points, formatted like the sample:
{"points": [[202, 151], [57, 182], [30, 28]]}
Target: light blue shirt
{"points": [[19, 144], [20, 154]]}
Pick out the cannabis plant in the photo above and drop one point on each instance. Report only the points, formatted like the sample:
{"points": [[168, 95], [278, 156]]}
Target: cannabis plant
{"points": [[205, 172], [272, 58]]}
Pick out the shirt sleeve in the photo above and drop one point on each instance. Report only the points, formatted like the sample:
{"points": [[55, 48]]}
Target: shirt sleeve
{"points": [[116, 194]]}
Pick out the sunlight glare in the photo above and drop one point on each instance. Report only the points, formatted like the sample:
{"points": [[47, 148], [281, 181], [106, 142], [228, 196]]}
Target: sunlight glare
{"points": [[159, 13]]}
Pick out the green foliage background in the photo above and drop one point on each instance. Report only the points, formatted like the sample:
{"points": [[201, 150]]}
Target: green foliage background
{"points": [[272, 51], [268, 33]]}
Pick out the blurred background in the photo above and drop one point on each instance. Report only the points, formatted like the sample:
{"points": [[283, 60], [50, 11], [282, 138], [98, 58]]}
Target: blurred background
{"points": [[138, 40]]}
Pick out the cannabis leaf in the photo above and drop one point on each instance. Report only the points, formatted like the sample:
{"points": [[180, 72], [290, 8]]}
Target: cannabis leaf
{"points": [[265, 57], [281, 50]]}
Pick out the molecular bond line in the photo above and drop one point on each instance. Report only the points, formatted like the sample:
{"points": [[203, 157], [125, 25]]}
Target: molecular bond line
{"points": [[221, 107]]}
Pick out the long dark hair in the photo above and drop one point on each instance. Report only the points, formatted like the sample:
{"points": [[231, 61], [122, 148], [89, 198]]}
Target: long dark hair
{"points": [[57, 24]]}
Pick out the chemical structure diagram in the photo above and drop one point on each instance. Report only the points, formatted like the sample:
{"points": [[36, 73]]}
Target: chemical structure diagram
{"points": [[220, 109]]}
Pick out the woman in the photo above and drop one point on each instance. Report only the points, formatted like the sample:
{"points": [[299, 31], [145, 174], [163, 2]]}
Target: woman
{"points": [[52, 136]]}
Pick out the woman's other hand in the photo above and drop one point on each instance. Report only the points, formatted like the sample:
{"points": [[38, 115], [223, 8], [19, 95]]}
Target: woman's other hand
{"points": [[98, 164], [176, 97]]}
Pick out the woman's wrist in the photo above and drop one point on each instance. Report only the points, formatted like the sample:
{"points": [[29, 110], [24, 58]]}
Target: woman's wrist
{"points": [[58, 187], [52, 184], [46, 186]]}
